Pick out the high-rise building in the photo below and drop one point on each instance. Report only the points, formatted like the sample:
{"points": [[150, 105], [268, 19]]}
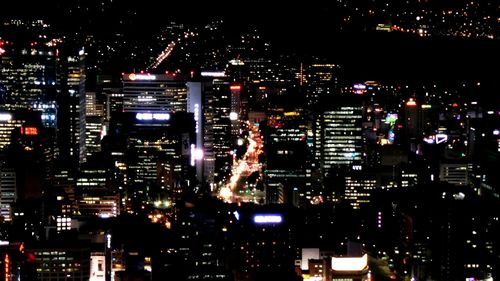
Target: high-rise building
{"points": [[320, 80], [217, 129], [338, 135], [195, 105], [95, 195], [92, 127], [263, 245], [8, 122], [28, 74], [72, 82], [154, 93], [8, 192], [159, 155], [288, 175], [358, 189]]}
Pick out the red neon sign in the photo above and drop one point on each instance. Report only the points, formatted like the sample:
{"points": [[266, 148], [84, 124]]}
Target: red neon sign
{"points": [[29, 131]]}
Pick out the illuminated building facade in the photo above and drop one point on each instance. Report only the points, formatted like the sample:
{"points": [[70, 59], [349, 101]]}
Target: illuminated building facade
{"points": [[28, 74], [8, 122], [94, 194], [62, 263], [154, 93], [195, 106], [263, 245], [288, 175], [236, 113], [92, 127], [455, 173], [338, 137], [159, 155], [8, 192], [217, 133], [358, 189], [319, 79], [72, 87]]}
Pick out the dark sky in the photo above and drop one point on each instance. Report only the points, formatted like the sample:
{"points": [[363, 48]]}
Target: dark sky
{"points": [[304, 27]]}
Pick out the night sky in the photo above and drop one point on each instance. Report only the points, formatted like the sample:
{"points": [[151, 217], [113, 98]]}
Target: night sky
{"points": [[301, 28]]}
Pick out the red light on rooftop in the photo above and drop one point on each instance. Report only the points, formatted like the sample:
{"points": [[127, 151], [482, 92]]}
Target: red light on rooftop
{"points": [[454, 104]]}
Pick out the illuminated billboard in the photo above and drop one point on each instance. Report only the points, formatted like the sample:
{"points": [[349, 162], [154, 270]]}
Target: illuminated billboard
{"points": [[146, 77], [213, 74], [29, 131], [350, 263], [267, 218], [146, 116]]}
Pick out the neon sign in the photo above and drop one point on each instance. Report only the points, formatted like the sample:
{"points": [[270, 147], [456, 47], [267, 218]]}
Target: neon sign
{"points": [[267, 219], [152, 116], [29, 131], [134, 77]]}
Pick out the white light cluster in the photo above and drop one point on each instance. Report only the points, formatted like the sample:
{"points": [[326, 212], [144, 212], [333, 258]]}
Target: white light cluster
{"points": [[267, 219], [152, 116]]}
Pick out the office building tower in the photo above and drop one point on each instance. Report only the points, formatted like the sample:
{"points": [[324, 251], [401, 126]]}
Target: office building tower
{"points": [[358, 189], [319, 80], [338, 135], [154, 93], [114, 102], [8, 192], [92, 127], [202, 247], [67, 262], [456, 172], [28, 74], [196, 107], [288, 175], [8, 122], [72, 82], [217, 133], [94, 194], [236, 114], [159, 155], [263, 245]]}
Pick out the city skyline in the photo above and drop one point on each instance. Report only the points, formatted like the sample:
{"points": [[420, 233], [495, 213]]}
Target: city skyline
{"points": [[248, 141]]}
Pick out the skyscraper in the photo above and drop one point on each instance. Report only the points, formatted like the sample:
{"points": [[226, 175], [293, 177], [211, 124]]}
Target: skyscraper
{"points": [[72, 82], [91, 124], [154, 93], [320, 80], [338, 135], [8, 192], [217, 130], [28, 74]]}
